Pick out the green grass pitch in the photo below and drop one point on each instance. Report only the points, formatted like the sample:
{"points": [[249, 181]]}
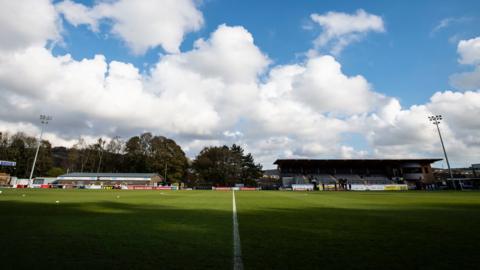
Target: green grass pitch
{"points": [[117, 229]]}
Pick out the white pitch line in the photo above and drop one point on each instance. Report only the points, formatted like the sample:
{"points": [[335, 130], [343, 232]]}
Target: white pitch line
{"points": [[237, 250]]}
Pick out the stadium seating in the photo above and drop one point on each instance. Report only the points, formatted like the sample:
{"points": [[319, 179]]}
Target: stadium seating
{"points": [[349, 177], [324, 178]]}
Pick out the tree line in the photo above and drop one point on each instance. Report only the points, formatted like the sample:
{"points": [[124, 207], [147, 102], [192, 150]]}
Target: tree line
{"points": [[146, 153]]}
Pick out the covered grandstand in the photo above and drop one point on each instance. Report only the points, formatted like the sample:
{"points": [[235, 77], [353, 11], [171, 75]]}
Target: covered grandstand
{"points": [[108, 179], [348, 174]]}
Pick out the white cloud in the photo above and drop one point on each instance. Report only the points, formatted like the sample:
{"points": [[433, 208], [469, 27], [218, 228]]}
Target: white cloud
{"points": [[193, 147], [107, 94], [232, 134], [466, 80], [182, 95], [340, 29], [462, 110], [446, 22], [291, 119], [26, 23], [443, 24], [141, 24], [402, 127], [408, 133], [326, 89], [78, 14], [469, 51], [222, 72], [229, 54], [350, 152]]}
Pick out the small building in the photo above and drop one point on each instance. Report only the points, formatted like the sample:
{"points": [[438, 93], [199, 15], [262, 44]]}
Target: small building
{"points": [[476, 170], [108, 179], [4, 179], [468, 177], [42, 182], [4, 175]]}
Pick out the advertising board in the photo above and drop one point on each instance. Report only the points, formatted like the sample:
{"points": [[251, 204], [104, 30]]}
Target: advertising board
{"points": [[93, 187], [302, 187], [221, 188], [358, 187], [396, 187], [7, 163], [393, 187]]}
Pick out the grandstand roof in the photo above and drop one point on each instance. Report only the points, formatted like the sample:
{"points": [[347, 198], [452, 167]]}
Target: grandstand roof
{"points": [[118, 175], [351, 162], [143, 177]]}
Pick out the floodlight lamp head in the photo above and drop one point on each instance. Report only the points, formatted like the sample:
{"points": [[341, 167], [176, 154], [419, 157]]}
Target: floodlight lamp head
{"points": [[45, 118]]}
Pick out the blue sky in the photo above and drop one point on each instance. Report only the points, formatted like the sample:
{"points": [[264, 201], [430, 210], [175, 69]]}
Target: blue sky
{"points": [[284, 79]]}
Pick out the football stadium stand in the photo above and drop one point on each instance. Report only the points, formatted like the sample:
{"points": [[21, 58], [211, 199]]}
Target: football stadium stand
{"points": [[108, 179], [357, 174]]}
